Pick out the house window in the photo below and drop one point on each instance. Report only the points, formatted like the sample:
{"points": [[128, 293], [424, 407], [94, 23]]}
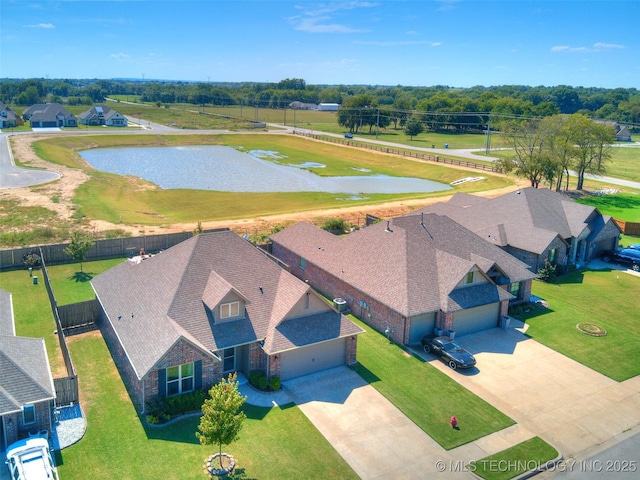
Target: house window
{"points": [[514, 289], [180, 379], [231, 309], [552, 256], [229, 360], [306, 301], [469, 277], [302, 263], [29, 414]]}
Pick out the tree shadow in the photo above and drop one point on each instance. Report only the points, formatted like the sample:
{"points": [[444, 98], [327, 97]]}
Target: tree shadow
{"points": [[81, 277]]}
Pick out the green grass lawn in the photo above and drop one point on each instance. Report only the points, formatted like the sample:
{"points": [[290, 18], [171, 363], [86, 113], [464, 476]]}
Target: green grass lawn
{"points": [[424, 394], [70, 285], [528, 455], [274, 443], [32, 313], [625, 206], [602, 297]]}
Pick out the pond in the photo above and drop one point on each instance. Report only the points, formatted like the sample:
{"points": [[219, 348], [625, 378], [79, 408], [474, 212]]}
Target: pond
{"points": [[221, 168]]}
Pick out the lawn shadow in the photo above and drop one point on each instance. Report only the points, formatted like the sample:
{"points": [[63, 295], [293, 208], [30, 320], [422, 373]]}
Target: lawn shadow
{"points": [[256, 412], [81, 277], [182, 429], [366, 374]]}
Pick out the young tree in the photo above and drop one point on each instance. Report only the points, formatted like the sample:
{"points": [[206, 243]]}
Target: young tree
{"points": [[413, 127], [80, 243], [222, 418], [530, 161]]}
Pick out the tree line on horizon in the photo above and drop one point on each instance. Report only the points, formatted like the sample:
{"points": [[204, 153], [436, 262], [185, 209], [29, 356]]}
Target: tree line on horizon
{"points": [[460, 108]]}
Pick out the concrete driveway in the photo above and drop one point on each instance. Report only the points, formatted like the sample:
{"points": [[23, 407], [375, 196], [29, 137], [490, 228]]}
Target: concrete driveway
{"points": [[567, 404]]}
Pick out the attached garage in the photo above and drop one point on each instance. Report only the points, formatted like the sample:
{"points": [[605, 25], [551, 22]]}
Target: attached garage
{"points": [[313, 358], [421, 326], [476, 319]]}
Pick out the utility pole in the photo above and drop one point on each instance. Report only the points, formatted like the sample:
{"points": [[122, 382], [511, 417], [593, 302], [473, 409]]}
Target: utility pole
{"points": [[487, 141]]}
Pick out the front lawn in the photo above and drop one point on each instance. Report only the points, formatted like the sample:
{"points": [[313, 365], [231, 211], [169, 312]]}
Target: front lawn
{"points": [[274, 443], [523, 457], [603, 297], [425, 394]]}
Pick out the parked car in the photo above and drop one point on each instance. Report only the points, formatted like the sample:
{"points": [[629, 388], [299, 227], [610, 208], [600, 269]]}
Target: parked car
{"points": [[626, 256], [30, 459], [634, 246], [449, 351], [348, 135]]}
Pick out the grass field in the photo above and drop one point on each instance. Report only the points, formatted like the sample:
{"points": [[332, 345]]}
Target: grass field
{"points": [[418, 390], [625, 206], [132, 201], [603, 297], [514, 461], [70, 285]]}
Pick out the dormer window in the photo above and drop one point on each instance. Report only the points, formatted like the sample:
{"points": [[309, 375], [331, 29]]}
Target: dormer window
{"points": [[469, 277], [229, 310]]}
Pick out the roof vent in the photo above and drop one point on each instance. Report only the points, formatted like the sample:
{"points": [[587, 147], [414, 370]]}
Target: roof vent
{"points": [[261, 291], [388, 229]]}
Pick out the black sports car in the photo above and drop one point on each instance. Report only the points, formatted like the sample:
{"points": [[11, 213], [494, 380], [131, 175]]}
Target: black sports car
{"points": [[453, 354]]}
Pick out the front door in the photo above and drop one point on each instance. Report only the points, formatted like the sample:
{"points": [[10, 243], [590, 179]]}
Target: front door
{"points": [[229, 360]]}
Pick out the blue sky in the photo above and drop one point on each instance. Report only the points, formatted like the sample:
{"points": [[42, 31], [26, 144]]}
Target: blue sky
{"points": [[416, 43]]}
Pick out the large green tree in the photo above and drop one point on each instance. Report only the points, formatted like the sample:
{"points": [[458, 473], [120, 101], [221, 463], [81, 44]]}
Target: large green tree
{"points": [[222, 416], [591, 145]]}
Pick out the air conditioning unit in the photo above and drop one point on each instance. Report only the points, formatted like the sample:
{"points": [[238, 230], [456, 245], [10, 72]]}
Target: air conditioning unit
{"points": [[340, 304]]}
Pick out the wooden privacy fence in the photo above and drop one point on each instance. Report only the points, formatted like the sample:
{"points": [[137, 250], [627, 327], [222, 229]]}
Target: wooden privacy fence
{"points": [[66, 390], [403, 153], [80, 316], [68, 385], [103, 249], [628, 228]]}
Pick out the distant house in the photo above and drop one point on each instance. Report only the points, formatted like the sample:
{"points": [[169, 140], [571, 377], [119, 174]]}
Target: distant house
{"points": [[102, 115], [213, 305], [26, 385], [535, 225], [8, 118], [303, 106], [410, 275], [49, 115], [622, 131], [328, 107]]}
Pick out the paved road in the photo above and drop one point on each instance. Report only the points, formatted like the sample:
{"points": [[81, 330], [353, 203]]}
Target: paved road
{"points": [[14, 177]]}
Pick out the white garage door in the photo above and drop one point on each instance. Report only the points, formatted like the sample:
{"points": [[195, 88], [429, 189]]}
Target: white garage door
{"points": [[314, 358], [476, 319], [421, 326]]}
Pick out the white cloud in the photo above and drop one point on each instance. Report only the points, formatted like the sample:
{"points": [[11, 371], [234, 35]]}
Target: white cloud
{"points": [[46, 26], [120, 56], [321, 18], [597, 47]]}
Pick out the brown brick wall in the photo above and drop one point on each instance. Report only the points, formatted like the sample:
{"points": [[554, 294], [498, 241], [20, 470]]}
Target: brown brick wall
{"points": [[15, 429], [375, 314]]}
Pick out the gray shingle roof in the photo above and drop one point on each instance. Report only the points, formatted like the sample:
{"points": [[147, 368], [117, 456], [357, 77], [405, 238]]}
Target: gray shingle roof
{"points": [[411, 264], [529, 219], [170, 293], [26, 376]]}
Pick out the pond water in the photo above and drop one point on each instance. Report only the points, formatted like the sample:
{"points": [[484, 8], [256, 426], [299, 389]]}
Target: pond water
{"points": [[223, 168]]}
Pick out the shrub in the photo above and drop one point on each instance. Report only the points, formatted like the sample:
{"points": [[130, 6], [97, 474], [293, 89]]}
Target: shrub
{"points": [[548, 272], [162, 409], [262, 383], [274, 383], [254, 378], [335, 225]]}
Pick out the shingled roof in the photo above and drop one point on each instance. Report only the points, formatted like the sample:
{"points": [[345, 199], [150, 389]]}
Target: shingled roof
{"points": [[166, 298], [528, 219], [411, 264], [26, 376]]}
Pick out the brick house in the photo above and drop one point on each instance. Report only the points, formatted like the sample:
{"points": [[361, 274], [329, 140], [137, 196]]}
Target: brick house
{"points": [[27, 392], [8, 118], [49, 115], [409, 275], [102, 115], [212, 305], [535, 225]]}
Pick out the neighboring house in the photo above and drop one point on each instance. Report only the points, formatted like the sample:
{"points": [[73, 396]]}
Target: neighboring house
{"points": [[26, 385], [212, 305], [409, 275], [48, 115], [101, 115], [303, 106], [535, 225], [7, 117], [622, 131]]}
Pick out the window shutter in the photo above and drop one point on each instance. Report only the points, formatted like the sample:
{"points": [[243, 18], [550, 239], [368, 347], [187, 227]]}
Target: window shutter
{"points": [[197, 375], [162, 382]]}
